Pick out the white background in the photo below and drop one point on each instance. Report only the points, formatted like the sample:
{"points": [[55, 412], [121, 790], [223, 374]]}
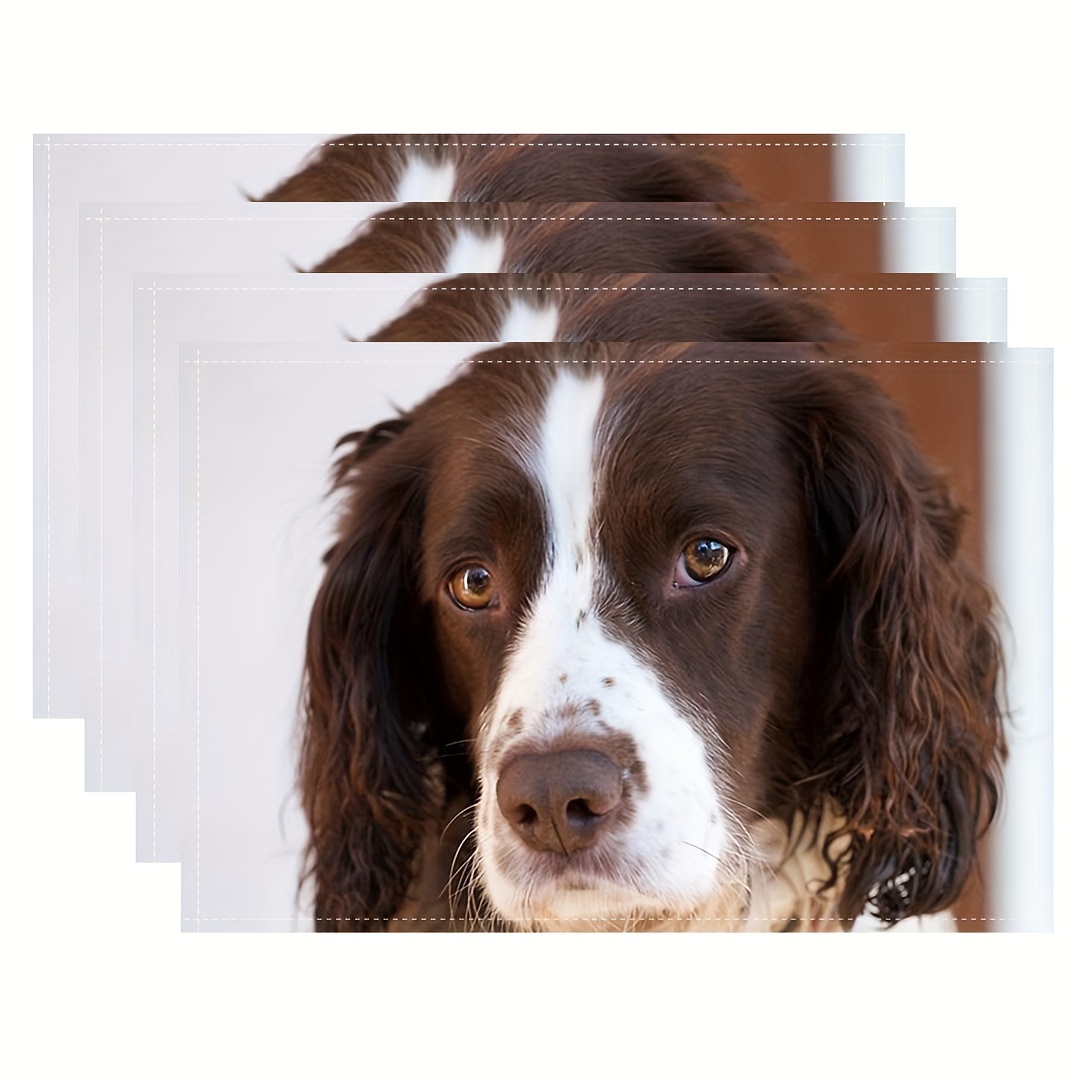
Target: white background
{"points": [[987, 97]]}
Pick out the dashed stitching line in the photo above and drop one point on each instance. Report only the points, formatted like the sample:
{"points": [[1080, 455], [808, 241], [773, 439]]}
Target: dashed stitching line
{"points": [[993, 284], [437, 288], [475, 359], [101, 515], [537, 144], [741, 361], [199, 687], [290, 143], [621, 920], [920, 216], [665, 218], [154, 572], [48, 428], [257, 217]]}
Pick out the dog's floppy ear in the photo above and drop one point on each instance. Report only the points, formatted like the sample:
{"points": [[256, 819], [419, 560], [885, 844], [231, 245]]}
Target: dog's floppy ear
{"points": [[907, 735], [369, 784]]}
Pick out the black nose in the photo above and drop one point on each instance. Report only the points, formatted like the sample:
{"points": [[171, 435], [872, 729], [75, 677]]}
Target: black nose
{"points": [[560, 801]]}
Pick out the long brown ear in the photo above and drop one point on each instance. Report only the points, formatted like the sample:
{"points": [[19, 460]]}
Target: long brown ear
{"points": [[907, 735], [368, 780]]}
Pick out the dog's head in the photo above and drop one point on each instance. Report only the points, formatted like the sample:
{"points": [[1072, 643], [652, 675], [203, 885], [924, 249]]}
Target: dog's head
{"points": [[630, 614]]}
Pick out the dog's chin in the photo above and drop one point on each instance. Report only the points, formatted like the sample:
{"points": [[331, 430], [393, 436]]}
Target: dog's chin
{"points": [[574, 903], [571, 909]]}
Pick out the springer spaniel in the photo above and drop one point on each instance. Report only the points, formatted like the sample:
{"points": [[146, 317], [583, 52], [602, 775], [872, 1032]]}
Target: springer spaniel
{"points": [[630, 637]]}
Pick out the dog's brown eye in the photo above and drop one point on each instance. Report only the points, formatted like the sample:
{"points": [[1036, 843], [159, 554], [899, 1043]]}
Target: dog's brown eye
{"points": [[472, 587], [701, 561]]}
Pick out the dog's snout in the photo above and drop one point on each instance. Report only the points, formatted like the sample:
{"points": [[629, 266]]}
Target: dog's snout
{"points": [[560, 801]]}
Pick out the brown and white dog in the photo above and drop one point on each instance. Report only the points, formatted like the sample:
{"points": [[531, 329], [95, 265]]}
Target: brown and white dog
{"points": [[642, 637]]}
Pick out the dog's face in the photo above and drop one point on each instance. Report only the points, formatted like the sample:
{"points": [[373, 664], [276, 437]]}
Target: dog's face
{"points": [[618, 564], [639, 617]]}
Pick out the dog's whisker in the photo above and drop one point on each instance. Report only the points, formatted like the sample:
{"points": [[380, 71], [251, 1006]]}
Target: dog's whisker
{"points": [[468, 810]]}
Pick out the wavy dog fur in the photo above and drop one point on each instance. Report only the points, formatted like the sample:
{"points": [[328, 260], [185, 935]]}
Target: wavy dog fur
{"points": [[494, 168], [572, 238], [615, 308]]}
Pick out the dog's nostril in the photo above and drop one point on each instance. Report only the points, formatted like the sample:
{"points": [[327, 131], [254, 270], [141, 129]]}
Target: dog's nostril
{"points": [[579, 813], [560, 801]]}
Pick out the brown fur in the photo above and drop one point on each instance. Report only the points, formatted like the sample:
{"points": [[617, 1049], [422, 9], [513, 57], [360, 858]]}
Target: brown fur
{"points": [[491, 168], [572, 238], [616, 308]]}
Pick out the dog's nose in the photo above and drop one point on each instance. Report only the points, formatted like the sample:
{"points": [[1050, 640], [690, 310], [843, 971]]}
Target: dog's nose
{"points": [[560, 801]]}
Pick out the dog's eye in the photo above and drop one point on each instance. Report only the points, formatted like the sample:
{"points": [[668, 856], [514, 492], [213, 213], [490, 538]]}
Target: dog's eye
{"points": [[472, 587], [701, 561]]}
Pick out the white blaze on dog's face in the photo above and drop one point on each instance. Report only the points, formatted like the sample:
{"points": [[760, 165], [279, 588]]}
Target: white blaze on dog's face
{"points": [[424, 181], [475, 251], [528, 322], [570, 683], [614, 697]]}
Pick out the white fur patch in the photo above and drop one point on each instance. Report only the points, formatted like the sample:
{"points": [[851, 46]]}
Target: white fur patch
{"points": [[566, 676], [527, 323], [473, 253], [425, 182]]}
